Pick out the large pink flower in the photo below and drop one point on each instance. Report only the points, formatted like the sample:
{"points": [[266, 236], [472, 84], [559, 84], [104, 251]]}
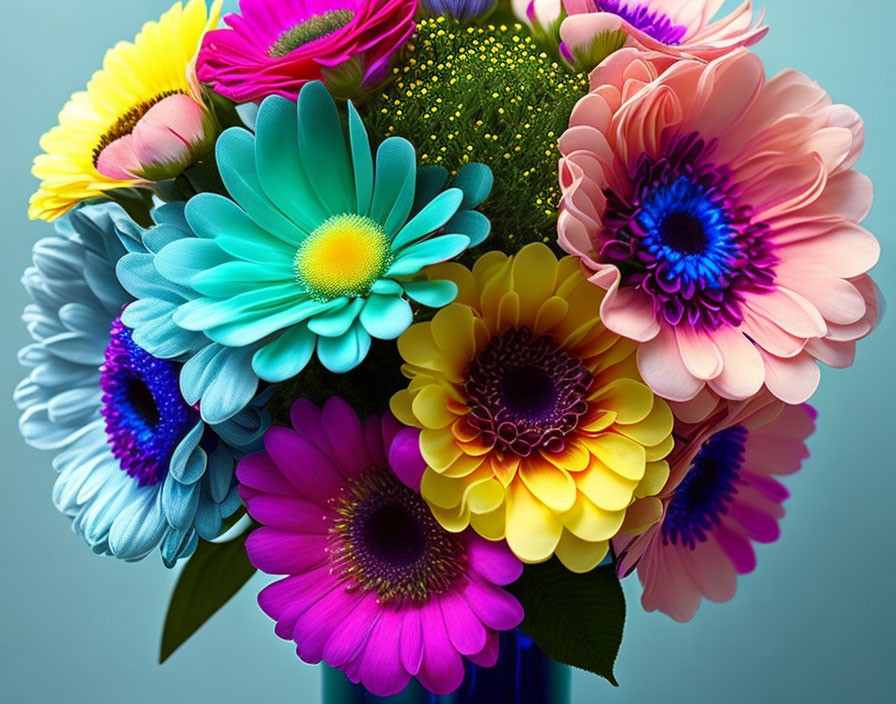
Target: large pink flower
{"points": [[720, 212], [374, 586], [720, 496], [276, 46], [674, 27]]}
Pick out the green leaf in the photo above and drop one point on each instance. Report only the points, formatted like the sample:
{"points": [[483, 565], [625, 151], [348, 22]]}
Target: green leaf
{"points": [[577, 619], [137, 202], [213, 575]]}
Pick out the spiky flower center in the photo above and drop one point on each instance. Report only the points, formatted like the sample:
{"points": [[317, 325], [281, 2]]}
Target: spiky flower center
{"points": [[385, 539], [146, 416], [707, 490], [526, 392], [343, 257], [126, 123], [314, 28]]}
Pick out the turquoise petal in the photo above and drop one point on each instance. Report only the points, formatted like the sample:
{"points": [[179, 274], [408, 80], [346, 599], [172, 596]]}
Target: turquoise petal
{"points": [[475, 180], [221, 380], [219, 218], [336, 323], [235, 151], [435, 214], [322, 149], [286, 356], [471, 223], [344, 353], [417, 256], [386, 287], [252, 328], [362, 161], [386, 317], [280, 165], [433, 294], [234, 278], [393, 189], [202, 313], [139, 276], [170, 214], [431, 180], [161, 235], [181, 260]]}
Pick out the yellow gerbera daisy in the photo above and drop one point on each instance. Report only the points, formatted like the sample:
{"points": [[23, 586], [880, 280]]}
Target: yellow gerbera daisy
{"points": [[106, 137], [536, 427]]}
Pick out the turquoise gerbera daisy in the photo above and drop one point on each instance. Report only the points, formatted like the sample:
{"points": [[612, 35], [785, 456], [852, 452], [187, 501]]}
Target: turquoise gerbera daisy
{"points": [[319, 248], [138, 468]]}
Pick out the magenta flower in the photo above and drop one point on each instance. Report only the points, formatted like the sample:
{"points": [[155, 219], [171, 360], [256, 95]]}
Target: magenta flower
{"points": [[374, 586], [274, 47], [720, 211], [720, 497]]}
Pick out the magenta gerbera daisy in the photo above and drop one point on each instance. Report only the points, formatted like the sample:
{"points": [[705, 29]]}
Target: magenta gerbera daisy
{"points": [[369, 570], [721, 497], [274, 47]]}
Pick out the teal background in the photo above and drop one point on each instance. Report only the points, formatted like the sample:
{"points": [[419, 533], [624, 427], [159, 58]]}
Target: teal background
{"points": [[814, 623]]}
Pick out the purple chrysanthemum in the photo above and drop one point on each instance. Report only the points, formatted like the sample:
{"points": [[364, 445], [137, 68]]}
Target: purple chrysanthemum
{"points": [[369, 569]]}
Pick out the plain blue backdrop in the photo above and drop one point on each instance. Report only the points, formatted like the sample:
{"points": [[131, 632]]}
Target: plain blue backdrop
{"points": [[814, 623]]}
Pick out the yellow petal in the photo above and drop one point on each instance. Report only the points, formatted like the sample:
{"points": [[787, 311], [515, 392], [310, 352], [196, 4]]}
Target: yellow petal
{"points": [[579, 555], [491, 526], [440, 491], [658, 452], [605, 488], [533, 530], [572, 458], [653, 429], [622, 455], [400, 405], [591, 523], [655, 477], [641, 515], [534, 277], [552, 486], [430, 406], [454, 520], [460, 275], [464, 466], [438, 448], [508, 312], [493, 289], [631, 400], [485, 496], [417, 346], [551, 313]]}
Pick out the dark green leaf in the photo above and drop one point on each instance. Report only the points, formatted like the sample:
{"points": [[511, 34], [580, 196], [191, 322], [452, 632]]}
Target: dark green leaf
{"points": [[577, 619], [214, 573], [137, 202]]}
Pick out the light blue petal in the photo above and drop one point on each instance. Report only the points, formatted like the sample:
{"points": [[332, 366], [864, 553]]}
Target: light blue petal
{"points": [[78, 317], [138, 274], [386, 317], [154, 329], [170, 214], [183, 259], [245, 332], [286, 356], [362, 161], [437, 249], [322, 149], [431, 180], [393, 190], [433, 294], [178, 544], [235, 152], [77, 348], [475, 180], [280, 166], [436, 213], [139, 528], [221, 380], [208, 517], [229, 505], [187, 464], [100, 276], [342, 354], [471, 223], [337, 322], [162, 235], [74, 407], [179, 502], [220, 474]]}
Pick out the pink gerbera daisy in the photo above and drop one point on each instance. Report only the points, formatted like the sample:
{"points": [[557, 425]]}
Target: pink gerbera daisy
{"points": [[720, 212], [375, 586], [720, 496], [674, 27], [274, 47]]}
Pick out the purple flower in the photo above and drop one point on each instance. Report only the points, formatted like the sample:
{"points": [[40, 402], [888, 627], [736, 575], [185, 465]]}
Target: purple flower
{"points": [[461, 9]]}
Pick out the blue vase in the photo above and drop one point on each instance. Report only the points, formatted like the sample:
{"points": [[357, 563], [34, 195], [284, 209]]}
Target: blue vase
{"points": [[522, 675]]}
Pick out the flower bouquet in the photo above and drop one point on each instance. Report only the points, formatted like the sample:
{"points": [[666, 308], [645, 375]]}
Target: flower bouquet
{"points": [[450, 315]]}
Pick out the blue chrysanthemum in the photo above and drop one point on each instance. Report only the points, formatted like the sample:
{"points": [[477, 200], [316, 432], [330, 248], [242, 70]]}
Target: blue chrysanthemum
{"points": [[138, 468], [319, 248]]}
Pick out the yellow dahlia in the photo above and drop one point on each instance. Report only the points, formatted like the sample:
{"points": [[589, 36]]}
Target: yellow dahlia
{"points": [[535, 425], [140, 120]]}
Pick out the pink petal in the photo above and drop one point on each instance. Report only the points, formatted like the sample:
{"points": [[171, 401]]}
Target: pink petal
{"points": [[465, 630], [346, 436], [442, 670], [119, 161], [791, 380], [381, 670], [737, 548], [405, 458], [699, 354], [488, 656], [743, 371], [662, 368], [350, 634], [629, 312], [315, 625], [258, 471], [307, 469], [305, 418], [493, 560], [411, 646], [276, 552], [288, 514], [495, 608]]}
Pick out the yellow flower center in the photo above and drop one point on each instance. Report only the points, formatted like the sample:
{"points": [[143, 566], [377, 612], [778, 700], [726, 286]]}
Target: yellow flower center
{"points": [[343, 257]]}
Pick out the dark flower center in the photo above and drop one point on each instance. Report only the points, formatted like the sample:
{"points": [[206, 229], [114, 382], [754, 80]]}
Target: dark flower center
{"points": [[526, 392], [146, 416], [125, 124], [707, 490], [386, 539], [314, 28], [652, 23], [683, 236]]}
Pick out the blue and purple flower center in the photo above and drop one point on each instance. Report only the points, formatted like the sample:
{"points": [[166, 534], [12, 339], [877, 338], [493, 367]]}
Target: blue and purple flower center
{"points": [[683, 236], [146, 416], [707, 490], [386, 539], [652, 23], [526, 392]]}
